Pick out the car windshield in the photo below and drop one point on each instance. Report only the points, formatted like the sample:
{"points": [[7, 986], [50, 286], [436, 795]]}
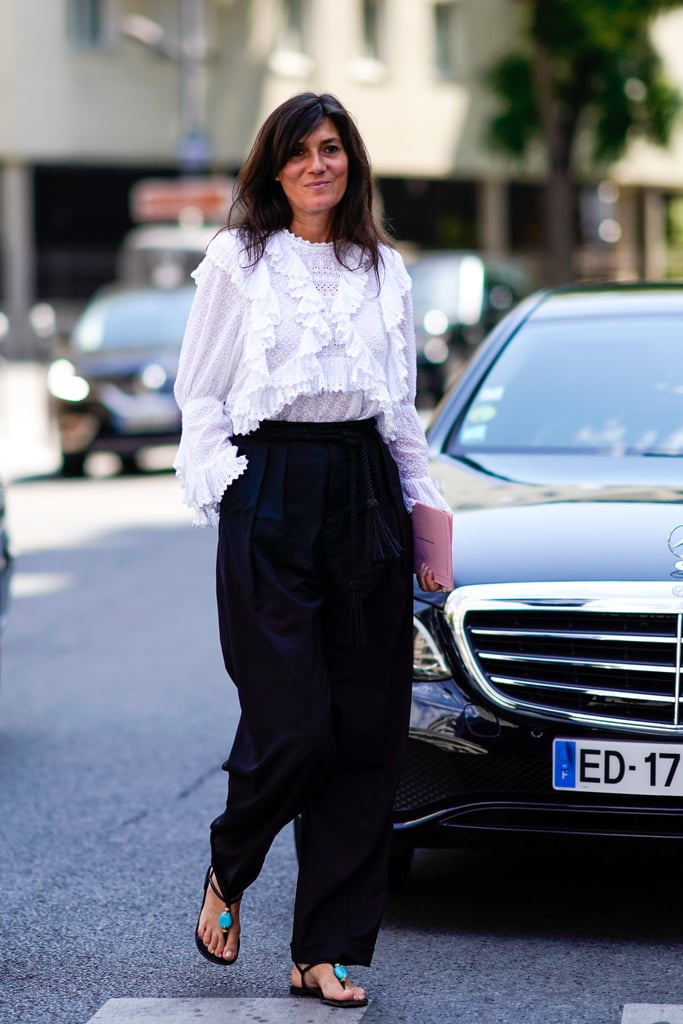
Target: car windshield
{"points": [[602, 385], [145, 319]]}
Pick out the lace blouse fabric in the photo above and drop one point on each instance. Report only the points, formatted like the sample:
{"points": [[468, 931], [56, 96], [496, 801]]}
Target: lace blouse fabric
{"points": [[297, 337]]}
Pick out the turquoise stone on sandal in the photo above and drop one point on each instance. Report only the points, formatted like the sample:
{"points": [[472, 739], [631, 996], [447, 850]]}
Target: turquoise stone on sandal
{"points": [[225, 923], [306, 991]]}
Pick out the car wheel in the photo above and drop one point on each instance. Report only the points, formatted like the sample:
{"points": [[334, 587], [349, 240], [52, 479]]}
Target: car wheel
{"points": [[129, 465], [400, 862], [73, 465]]}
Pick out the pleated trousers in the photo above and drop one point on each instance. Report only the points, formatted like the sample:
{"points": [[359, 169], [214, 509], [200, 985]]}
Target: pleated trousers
{"points": [[315, 629]]}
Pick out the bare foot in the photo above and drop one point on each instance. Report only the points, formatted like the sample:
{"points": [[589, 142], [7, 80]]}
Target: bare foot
{"points": [[210, 932], [323, 976]]}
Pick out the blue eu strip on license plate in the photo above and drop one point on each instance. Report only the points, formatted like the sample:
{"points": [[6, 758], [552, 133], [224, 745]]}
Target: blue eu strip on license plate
{"points": [[564, 764], [618, 766]]}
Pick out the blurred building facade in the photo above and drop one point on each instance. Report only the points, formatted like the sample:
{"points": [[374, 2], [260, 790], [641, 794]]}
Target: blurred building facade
{"points": [[97, 94]]}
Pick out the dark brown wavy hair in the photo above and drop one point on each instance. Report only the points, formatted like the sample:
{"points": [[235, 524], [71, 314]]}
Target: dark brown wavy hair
{"points": [[260, 206]]}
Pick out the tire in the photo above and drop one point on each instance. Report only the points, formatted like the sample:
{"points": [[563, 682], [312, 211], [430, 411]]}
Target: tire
{"points": [[400, 862], [129, 465], [73, 464]]}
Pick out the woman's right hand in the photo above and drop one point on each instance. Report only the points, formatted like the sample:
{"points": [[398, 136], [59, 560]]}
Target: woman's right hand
{"points": [[425, 577]]}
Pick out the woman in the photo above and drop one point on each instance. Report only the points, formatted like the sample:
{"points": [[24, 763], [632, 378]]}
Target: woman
{"points": [[301, 442]]}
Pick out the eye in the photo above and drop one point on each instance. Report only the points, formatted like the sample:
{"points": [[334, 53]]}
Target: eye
{"points": [[333, 148]]}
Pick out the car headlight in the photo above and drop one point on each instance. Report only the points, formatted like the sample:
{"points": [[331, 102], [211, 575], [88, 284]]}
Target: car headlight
{"points": [[435, 321], [63, 382], [428, 661]]}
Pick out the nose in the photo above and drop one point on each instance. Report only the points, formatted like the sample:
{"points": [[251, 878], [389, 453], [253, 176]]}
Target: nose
{"points": [[317, 162]]}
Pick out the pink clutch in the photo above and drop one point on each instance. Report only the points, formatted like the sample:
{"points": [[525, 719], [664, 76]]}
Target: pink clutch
{"points": [[433, 541]]}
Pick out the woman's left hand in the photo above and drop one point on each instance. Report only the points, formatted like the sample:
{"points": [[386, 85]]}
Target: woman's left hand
{"points": [[425, 577]]}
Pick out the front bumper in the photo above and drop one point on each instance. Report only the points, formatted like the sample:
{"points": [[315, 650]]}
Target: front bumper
{"points": [[95, 426], [475, 767], [5, 576], [448, 797]]}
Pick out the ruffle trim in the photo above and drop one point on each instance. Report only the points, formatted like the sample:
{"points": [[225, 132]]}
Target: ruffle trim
{"points": [[263, 393], [253, 282], [315, 331], [422, 489], [392, 293], [204, 486]]}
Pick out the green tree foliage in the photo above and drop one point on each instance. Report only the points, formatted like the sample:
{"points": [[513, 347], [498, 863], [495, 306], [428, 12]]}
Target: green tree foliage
{"points": [[584, 67]]}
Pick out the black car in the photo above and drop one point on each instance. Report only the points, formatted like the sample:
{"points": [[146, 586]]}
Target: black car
{"points": [[112, 388], [458, 297], [548, 685], [5, 565]]}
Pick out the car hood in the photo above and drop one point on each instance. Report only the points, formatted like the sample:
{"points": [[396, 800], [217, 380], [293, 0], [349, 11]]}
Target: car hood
{"points": [[559, 518]]}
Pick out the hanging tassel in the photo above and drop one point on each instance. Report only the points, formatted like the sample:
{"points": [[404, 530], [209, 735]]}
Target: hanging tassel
{"points": [[381, 541]]}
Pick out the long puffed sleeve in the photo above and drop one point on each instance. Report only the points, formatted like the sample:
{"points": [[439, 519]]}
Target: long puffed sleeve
{"points": [[408, 447], [207, 462]]}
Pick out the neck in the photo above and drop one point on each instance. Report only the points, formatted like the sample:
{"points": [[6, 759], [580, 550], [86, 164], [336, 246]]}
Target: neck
{"points": [[312, 229]]}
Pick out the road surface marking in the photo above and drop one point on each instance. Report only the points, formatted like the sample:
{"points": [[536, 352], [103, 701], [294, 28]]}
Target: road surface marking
{"points": [[652, 1013], [218, 1011]]}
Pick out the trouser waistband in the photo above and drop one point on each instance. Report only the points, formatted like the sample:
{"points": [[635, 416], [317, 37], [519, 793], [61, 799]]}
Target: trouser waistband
{"points": [[350, 431], [380, 542]]}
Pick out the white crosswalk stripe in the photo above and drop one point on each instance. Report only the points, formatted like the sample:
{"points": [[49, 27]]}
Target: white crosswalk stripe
{"points": [[652, 1013], [218, 1011]]}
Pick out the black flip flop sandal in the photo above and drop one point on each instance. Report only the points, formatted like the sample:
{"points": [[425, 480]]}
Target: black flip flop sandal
{"points": [[224, 921], [305, 991]]}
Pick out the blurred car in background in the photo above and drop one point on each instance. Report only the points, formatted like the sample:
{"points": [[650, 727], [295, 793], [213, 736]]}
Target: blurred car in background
{"points": [[163, 255], [111, 387], [548, 686], [457, 298], [177, 217], [5, 567]]}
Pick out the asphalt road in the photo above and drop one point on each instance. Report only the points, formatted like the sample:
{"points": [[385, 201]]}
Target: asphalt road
{"points": [[115, 715]]}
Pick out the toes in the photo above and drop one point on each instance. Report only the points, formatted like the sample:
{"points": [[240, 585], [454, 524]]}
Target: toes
{"points": [[212, 941], [356, 992], [331, 987], [231, 946]]}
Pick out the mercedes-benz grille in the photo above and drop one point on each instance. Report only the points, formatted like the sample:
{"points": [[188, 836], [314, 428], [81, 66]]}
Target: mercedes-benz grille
{"points": [[601, 654]]}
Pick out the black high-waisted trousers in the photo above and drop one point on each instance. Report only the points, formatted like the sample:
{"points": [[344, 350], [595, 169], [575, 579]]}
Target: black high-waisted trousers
{"points": [[315, 625]]}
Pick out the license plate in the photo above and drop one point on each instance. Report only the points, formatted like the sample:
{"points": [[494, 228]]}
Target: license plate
{"points": [[602, 766]]}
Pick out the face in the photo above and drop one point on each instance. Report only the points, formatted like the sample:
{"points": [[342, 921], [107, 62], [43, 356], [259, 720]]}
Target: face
{"points": [[314, 178]]}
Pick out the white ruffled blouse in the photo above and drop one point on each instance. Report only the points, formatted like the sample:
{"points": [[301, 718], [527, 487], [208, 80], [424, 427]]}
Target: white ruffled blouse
{"points": [[296, 337]]}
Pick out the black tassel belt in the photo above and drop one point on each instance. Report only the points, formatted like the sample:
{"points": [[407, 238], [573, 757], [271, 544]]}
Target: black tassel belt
{"points": [[380, 542]]}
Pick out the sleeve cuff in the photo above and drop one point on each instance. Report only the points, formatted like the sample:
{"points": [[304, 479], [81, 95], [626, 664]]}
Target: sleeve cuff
{"points": [[204, 486], [423, 489]]}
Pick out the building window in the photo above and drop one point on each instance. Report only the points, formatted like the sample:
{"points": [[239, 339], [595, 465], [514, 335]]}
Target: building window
{"points": [[291, 58], [373, 13], [295, 28], [92, 24], [369, 66], [448, 38]]}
